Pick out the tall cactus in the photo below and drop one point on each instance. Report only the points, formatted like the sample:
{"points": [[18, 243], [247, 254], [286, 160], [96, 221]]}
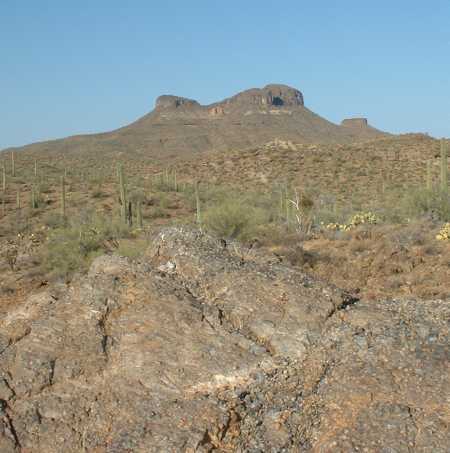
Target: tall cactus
{"points": [[4, 178], [63, 197], [444, 167], [139, 221], [197, 205], [13, 164], [282, 201], [35, 168], [167, 179], [34, 203], [288, 206], [429, 180], [175, 183], [123, 193]]}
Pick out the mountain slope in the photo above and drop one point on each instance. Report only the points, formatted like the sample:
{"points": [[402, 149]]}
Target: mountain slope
{"points": [[179, 125]]}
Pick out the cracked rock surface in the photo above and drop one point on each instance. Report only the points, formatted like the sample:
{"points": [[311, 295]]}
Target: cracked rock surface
{"points": [[204, 347]]}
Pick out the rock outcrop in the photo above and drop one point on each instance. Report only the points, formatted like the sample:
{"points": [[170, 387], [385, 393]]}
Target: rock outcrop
{"points": [[270, 95], [168, 101], [204, 346], [358, 123]]}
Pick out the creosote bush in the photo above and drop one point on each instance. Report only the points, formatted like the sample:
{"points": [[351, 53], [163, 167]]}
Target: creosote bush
{"points": [[71, 248], [232, 219], [416, 203]]}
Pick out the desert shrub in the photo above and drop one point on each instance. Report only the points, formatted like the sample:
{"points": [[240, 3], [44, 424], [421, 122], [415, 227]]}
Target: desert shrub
{"points": [[233, 219], [97, 192], [71, 248], [137, 195], [157, 213], [298, 256], [53, 220], [65, 253], [132, 248], [413, 234], [14, 224], [44, 187], [162, 200], [416, 203]]}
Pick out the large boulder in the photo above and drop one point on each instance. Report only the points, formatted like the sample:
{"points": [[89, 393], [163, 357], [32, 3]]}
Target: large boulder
{"points": [[207, 346]]}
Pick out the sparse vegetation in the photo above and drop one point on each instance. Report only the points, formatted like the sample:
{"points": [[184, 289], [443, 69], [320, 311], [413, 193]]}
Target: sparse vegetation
{"points": [[71, 248], [287, 213]]}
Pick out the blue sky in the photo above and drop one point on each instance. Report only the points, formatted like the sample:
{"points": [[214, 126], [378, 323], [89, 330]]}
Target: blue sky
{"points": [[69, 67]]}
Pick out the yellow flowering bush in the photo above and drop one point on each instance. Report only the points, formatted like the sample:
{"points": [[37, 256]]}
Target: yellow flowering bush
{"points": [[363, 218], [444, 232], [358, 219]]}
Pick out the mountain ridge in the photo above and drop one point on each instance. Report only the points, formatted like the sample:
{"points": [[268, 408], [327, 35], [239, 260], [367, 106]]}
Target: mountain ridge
{"points": [[179, 125]]}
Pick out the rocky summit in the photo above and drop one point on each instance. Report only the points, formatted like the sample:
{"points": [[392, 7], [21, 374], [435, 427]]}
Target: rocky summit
{"points": [[206, 346], [179, 126]]}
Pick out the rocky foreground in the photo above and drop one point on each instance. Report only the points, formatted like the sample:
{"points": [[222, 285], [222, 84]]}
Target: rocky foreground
{"points": [[204, 346]]}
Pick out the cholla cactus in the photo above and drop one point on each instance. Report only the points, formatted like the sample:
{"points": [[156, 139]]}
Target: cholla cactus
{"points": [[368, 218], [363, 218], [333, 226], [444, 232]]}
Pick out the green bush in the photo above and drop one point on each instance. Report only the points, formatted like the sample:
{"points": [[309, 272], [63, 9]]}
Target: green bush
{"points": [[72, 248], [53, 220], [132, 249], [233, 219], [416, 203]]}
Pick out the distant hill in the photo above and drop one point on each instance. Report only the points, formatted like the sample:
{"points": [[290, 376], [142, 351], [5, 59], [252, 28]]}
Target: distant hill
{"points": [[180, 126]]}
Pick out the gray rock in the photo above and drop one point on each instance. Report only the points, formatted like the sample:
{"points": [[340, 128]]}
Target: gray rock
{"points": [[215, 353]]}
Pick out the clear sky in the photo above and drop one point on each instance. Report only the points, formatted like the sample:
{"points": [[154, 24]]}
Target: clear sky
{"points": [[69, 67]]}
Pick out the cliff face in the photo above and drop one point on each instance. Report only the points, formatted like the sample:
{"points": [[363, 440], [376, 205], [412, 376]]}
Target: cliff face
{"points": [[359, 123], [270, 96]]}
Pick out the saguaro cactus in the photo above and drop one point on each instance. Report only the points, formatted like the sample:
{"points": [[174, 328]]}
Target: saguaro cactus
{"points": [[429, 180], [288, 207], [13, 164], [33, 198], [175, 183], [139, 221], [444, 167], [197, 204], [123, 193], [63, 197]]}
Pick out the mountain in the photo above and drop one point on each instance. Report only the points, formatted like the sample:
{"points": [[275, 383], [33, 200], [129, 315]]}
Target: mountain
{"points": [[178, 125]]}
